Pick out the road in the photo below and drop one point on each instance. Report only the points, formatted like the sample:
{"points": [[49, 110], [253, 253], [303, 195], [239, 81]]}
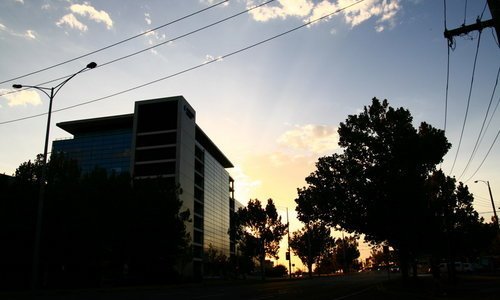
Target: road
{"points": [[332, 288]]}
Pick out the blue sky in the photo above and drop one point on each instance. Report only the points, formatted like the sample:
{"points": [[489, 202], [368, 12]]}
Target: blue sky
{"points": [[272, 109]]}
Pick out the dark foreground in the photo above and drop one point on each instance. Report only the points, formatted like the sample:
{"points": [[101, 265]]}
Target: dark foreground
{"points": [[355, 286]]}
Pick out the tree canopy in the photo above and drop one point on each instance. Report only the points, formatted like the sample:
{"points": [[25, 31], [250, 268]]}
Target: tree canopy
{"points": [[259, 228], [380, 184], [96, 226], [312, 243]]}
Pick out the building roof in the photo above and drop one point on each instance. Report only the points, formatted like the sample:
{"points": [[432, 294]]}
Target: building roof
{"points": [[98, 124], [126, 122]]}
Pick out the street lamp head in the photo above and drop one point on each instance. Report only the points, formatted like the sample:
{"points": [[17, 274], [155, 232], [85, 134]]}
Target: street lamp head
{"points": [[17, 86], [91, 65]]}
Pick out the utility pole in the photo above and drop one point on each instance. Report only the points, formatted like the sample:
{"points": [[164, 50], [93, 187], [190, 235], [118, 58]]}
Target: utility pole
{"points": [[494, 6], [495, 216], [289, 255]]}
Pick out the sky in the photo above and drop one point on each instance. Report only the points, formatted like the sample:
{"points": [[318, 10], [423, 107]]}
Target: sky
{"points": [[273, 108]]}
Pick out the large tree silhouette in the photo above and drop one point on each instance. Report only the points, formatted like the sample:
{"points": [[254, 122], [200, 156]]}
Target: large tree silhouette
{"points": [[375, 186]]}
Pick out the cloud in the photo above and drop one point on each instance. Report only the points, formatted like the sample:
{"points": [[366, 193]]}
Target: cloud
{"points": [[22, 98], [85, 10], [211, 58], [385, 11], [72, 22], [316, 139], [284, 9], [212, 2], [147, 18], [28, 34]]}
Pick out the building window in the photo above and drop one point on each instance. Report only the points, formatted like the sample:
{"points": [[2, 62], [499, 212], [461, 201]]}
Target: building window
{"points": [[162, 138], [155, 169], [155, 154], [198, 222]]}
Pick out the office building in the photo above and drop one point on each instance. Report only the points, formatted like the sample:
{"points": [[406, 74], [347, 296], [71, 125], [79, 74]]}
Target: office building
{"points": [[161, 138]]}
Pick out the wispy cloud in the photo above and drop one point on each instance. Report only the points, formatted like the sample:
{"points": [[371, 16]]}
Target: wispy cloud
{"points": [[147, 18], [311, 138], [385, 11], [22, 98], [87, 11], [212, 2], [28, 34], [210, 58]]}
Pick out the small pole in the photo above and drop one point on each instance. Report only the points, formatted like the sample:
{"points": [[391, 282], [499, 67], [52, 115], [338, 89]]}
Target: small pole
{"points": [[493, 205], [289, 253]]}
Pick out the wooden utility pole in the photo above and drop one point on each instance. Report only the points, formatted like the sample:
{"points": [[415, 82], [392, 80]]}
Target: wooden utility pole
{"points": [[494, 6]]}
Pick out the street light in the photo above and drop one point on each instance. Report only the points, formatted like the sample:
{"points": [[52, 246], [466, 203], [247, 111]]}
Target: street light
{"points": [[53, 92], [492, 202]]}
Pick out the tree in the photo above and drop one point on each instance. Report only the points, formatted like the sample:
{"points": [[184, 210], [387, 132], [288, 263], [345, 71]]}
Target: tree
{"points": [[375, 186], [454, 229], [93, 224], [312, 243], [379, 257], [158, 237], [277, 271], [261, 227], [346, 253]]}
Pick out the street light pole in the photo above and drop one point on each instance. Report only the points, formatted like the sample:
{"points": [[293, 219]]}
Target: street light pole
{"points": [[41, 196], [289, 253], [492, 202]]}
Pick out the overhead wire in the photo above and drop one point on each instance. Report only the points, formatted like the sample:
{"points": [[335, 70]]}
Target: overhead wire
{"points": [[156, 45], [476, 145], [485, 157], [484, 9], [468, 102], [305, 24], [117, 43]]}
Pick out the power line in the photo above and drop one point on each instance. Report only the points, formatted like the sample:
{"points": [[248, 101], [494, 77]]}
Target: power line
{"points": [[117, 43], [486, 156], [194, 67], [468, 101], [484, 9], [487, 127], [476, 146], [159, 44]]}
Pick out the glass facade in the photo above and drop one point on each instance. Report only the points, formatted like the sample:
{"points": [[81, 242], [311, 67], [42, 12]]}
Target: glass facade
{"points": [[217, 196], [106, 149]]}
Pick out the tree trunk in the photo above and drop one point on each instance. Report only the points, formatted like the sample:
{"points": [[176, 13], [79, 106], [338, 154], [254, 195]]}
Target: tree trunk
{"points": [[404, 260]]}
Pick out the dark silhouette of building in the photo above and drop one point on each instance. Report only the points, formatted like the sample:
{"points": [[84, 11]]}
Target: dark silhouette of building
{"points": [[161, 138]]}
